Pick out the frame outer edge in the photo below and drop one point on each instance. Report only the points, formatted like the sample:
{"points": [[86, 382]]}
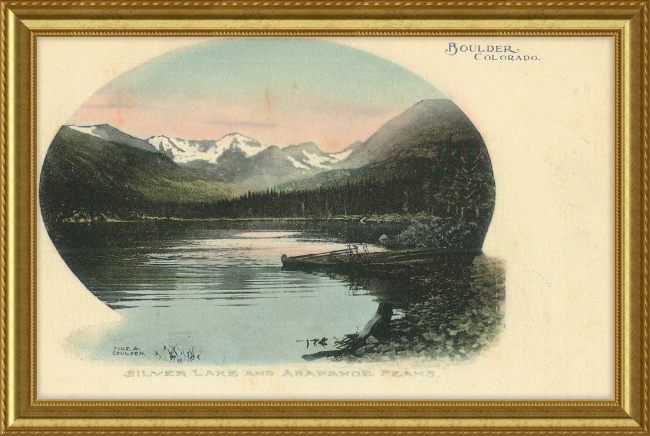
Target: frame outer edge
{"points": [[645, 41], [18, 188], [634, 191], [3, 287], [645, 211]]}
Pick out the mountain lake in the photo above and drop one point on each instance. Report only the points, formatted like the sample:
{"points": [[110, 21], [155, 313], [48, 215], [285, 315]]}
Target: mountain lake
{"points": [[215, 292]]}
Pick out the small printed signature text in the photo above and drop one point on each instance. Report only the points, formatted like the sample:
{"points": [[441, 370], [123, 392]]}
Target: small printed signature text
{"points": [[128, 351]]}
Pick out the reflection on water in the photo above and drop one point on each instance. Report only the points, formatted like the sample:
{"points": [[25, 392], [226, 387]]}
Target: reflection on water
{"points": [[215, 292]]}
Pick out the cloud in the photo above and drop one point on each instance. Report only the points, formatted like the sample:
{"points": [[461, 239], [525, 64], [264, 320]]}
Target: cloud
{"points": [[242, 123]]}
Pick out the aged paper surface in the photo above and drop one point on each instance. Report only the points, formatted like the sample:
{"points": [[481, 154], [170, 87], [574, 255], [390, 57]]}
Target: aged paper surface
{"points": [[547, 123]]}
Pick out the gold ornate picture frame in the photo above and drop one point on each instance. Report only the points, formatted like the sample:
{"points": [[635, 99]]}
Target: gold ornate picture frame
{"points": [[23, 22]]}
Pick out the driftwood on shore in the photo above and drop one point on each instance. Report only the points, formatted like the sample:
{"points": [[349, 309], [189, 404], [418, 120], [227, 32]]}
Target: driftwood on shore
{"points": [[385, 263], [323, 354]]}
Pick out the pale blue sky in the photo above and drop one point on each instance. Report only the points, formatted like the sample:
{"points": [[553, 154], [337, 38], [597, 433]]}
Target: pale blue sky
{"points": [[277, 90]]}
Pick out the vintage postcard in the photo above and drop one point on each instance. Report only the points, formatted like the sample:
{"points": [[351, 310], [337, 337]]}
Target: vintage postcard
{"points": [[325, 218]]}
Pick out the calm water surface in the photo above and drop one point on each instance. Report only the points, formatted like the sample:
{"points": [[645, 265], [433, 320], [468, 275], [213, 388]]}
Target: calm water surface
{"points": [[218, 295], [214, 292]]}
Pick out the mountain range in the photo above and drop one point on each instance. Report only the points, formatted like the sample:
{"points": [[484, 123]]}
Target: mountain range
{"points": [[432, 142], [234, 158], [428, 159]]}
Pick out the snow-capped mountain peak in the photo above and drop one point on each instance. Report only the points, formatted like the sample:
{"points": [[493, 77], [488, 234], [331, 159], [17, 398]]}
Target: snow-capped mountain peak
{"points": [[248, 145], [88, 130], [307, 155], [165, 144], [184, 150], [111, 134], [341, 155], [234, 158]]}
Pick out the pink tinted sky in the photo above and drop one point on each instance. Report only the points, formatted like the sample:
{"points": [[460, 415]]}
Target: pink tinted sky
{"points": [[270, 120], [280, 91]]}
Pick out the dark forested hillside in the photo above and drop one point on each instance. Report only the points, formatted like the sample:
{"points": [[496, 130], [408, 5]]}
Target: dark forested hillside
{"points": [[430, 160], [413, 190], [88, 176]]}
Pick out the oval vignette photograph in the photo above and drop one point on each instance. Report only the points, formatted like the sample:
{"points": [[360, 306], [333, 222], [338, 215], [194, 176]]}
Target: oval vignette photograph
{"points": [[239, 218], [295, 184]]}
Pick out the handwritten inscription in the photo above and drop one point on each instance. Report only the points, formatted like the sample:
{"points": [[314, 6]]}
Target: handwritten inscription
{"points": [[490, 52]]}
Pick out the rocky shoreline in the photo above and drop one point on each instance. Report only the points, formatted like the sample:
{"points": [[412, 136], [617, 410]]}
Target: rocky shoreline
{"points": [[455, 321]]}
